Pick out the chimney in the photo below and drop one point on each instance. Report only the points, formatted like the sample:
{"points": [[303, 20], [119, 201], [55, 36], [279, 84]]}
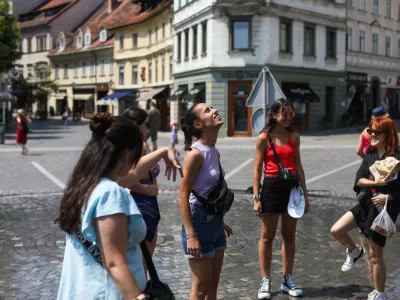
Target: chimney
{"points": [[111, 4]]}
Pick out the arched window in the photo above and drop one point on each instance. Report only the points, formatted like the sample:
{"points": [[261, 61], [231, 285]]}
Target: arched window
{"points": [[79, 40]]}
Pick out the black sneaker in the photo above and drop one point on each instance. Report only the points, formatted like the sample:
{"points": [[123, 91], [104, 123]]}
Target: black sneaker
{"points": [[288, 286]]}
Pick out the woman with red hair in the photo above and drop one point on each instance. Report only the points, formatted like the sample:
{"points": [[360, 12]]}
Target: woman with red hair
{"points": [[384, 143]]}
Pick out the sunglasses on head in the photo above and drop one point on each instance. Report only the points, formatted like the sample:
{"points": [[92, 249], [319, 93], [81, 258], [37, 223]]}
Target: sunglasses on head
{"points": [[288, 115], [376, 132]]}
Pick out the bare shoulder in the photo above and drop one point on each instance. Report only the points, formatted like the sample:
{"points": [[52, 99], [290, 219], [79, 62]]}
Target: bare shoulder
{"points": [[262, 140], [194, 157], [296, 138]]}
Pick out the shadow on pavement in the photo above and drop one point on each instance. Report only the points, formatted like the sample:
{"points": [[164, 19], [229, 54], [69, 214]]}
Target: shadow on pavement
{"points": [[337, 292]]}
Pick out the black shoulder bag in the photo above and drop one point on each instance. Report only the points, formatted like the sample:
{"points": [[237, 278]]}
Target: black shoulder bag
{"points": [[155, 288], [284, 174], [220, 199]]}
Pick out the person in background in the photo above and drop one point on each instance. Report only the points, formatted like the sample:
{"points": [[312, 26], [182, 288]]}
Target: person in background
{"points": [[384, 143], [65, 117], [22, 130], [174, 135], [365, 138], [103, 224], [155, 123]]}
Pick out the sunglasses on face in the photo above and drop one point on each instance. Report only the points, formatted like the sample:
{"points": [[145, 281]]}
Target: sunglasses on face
{"points": [[287, 115], [376, 132]]}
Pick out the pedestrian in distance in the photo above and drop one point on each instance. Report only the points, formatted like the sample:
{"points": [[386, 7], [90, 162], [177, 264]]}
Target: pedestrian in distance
{"points": [[384, 143], [203, 234], [103, 224], [174, 135], [65, 117], [146, 190], [365, 139], [155, 123], [273, 201], [22, 130]]}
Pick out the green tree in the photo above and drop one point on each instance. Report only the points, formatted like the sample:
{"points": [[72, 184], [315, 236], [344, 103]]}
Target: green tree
{"points": [[36, 89], [9, 37]]}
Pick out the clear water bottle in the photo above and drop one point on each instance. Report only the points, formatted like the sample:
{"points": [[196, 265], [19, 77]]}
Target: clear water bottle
{"points": [[374, 194]]}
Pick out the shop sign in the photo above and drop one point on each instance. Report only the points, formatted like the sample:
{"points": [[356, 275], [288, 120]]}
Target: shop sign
{"points": [[359, 77], [240, 75], [102, 87]]}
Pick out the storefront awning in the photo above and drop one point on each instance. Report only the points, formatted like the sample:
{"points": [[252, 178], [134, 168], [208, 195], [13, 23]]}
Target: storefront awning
{"points": [[299, 92], [118, 95], [151, 94], [189, 97], [177, 94]]}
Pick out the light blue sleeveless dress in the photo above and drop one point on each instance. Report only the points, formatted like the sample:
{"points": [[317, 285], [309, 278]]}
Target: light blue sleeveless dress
{"points": [[84, 278]]}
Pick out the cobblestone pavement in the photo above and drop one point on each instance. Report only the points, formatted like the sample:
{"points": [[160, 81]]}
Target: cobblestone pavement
{"points": [[31, 252]]}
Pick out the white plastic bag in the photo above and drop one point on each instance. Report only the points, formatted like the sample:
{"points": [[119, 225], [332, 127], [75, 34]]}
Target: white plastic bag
{"points": [[383, 223]]}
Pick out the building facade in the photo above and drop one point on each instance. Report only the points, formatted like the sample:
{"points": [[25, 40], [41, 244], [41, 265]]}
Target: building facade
{"points": [[39, 29], [143, 51], [373, 56], [83, 66], [221, 46]]}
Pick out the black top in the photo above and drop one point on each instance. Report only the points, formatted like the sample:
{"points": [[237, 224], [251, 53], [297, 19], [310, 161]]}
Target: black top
{"points": [[392, 188]]}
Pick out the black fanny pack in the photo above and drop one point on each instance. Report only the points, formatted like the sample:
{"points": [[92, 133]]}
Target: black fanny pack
{"points": [[220, 199]]}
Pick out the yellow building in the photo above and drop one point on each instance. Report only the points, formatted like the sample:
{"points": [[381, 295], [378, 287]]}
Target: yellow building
{"points": [[83, 66], [143, 54]]}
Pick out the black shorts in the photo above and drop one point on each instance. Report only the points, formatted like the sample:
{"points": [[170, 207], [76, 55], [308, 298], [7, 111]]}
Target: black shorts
{"points": [[275, 195], [364, 214]]}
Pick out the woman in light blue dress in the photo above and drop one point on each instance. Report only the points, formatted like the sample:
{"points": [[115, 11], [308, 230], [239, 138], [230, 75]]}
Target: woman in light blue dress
{"points": [[105, 262]]}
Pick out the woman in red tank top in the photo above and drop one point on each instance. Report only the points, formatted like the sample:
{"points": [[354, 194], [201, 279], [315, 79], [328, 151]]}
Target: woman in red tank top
{"points": [[272, 202]]}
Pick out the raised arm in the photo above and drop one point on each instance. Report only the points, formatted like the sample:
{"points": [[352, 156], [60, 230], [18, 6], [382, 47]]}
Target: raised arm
{"points": [[360, 146], [192, 164]]}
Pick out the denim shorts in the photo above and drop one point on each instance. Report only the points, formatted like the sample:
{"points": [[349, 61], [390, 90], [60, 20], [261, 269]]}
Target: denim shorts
{"points": [[209, 230]]}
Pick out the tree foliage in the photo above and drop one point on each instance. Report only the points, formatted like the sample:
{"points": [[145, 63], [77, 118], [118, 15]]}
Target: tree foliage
{"points": [[9, 37]]}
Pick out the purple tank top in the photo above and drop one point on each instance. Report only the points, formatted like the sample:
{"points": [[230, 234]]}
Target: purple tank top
{"points": [[208, 175]]}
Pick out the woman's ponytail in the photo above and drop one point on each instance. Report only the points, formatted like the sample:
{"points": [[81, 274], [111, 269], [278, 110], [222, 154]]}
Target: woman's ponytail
{"points": [[187, 125], [188, 137]]}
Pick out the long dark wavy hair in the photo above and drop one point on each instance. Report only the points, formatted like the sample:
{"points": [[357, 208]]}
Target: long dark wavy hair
{"points": [[136, 114], [111, 136], [276, 108], [188, 129]]}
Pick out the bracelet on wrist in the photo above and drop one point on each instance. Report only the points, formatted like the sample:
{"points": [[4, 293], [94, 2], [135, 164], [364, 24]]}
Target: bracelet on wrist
{"points": [[256, 198], [140, 297], [190, 236]]}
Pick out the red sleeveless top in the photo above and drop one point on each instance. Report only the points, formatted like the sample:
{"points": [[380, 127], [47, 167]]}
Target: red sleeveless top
{"points": [[286, 156]]}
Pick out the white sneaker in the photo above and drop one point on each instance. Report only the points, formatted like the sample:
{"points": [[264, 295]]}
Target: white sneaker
{"points": [[375, 295], [352, 257], [265, 290], [288, 286]]}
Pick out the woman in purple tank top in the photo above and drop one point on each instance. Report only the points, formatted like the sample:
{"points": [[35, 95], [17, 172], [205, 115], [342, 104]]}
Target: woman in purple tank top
{"points": [[203, 235]]}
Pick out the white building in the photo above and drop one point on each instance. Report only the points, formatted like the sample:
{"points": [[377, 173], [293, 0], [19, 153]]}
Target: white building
{"points": [[221, 46], [373, 55]]}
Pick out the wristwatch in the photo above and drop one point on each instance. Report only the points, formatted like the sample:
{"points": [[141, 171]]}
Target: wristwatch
{"points": [[140, 297], [256, 198]]}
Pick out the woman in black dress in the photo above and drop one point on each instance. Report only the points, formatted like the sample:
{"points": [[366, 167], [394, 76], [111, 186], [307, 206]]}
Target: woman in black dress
{"points": [[384, 143]]}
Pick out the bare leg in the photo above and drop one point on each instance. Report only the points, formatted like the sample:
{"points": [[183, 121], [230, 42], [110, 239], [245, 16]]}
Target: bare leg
{"points": [[269, 223], [202, 272], [365, 244], [379, 266], [288, 231], [342, 227], [218, 260]]}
